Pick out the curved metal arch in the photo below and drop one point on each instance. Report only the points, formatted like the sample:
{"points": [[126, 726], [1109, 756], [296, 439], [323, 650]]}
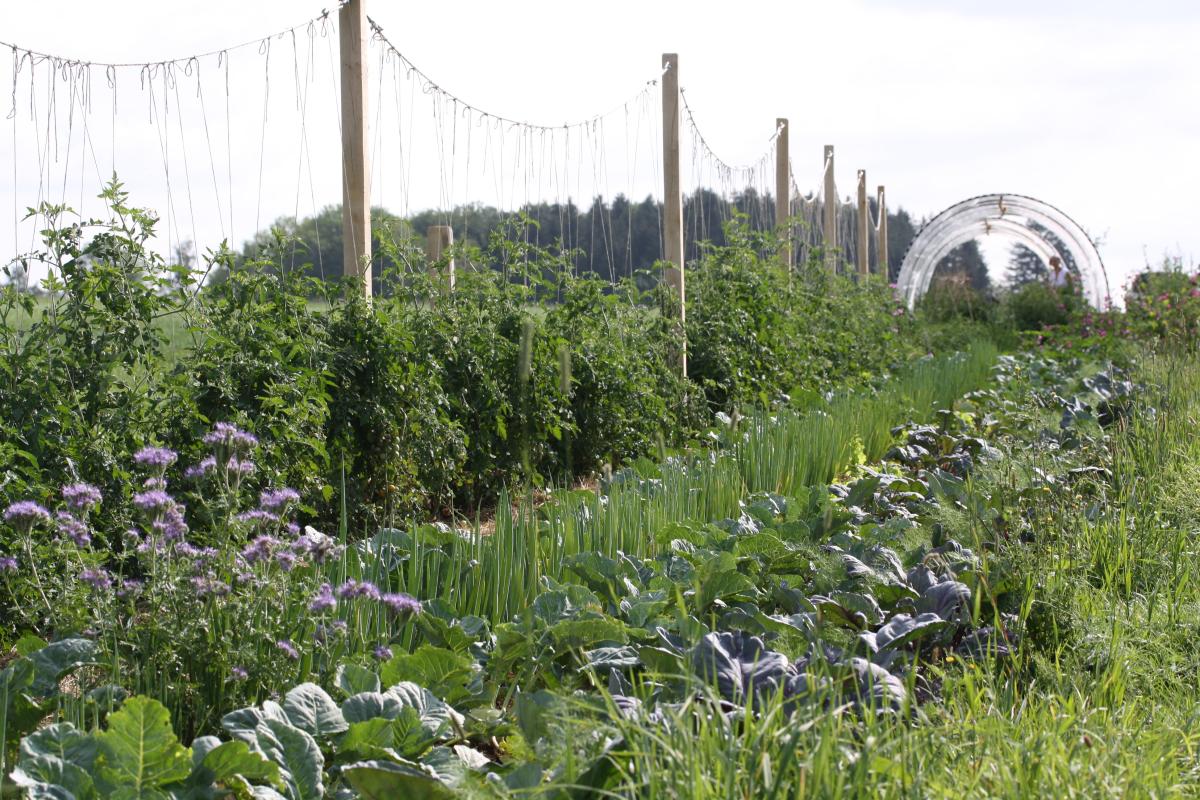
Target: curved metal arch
{"points": [[1010, 214]]}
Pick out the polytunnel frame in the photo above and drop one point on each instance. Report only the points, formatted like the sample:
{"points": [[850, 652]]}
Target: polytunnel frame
{"points": [[1010, 214]]}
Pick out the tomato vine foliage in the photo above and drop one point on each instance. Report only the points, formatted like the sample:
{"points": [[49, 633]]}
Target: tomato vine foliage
{"points": [[426, 399]]}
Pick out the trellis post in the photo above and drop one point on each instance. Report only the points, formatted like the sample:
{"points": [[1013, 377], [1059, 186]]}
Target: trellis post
{"points": [[783, 192], [356, 172], [829, 213], [439, 239], [863, 246], [673, 198], [881, 231]]}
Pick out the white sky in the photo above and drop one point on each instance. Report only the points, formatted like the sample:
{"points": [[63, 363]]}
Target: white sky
{"points": [[1090, 106]]}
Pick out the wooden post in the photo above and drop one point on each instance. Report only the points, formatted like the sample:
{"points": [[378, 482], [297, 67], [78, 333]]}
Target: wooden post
{"points": [[783, 192], [439, 239], [830, 210], [356, 172], [863, 245], [673, 197], [881, 250]]}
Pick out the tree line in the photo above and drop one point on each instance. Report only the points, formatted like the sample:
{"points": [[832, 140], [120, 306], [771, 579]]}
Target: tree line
{"points": [[614, 239]]}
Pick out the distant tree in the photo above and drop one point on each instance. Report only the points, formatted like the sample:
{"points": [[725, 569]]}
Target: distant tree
{"points": [[966, 261], [1025, 266]]}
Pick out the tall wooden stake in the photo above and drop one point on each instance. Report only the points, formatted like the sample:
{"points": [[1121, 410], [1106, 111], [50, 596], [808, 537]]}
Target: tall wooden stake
{"points": [[830, 213], [863, 245], [881, 250], [673, 197], [356, 172], [783, 192], [439, 239]]}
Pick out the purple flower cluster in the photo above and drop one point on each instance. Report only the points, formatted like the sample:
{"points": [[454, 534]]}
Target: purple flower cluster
{"points": [[73, 528], [8, 564], [81, 496], [277, 499], [397, 603], [157, 458], [352, 589], [225, 434], [153, 500], [288, 649], [206, 465], [209, 586], [260, 549], [99, 579], [258, 518], [239, 674], [400, 604], [324, 600], [242, 467], [130, 588], [24, 514], [323, 631], [316, 545], [383, 653]]}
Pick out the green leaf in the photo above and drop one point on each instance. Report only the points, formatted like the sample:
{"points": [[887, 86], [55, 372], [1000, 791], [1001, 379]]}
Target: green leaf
{"points": [[243, 723], [29, 644], [311, 710], [63, 741], [369, 739], [370, 705], [139, 752], [49, 778], [454, 677], [581, 633], [606, 659], [435, 716], [353, 679], [385, 780], [298, 756], [53, 660], [235, 758]]}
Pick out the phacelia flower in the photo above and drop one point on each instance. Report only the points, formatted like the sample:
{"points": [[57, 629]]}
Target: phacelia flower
{"points": [[288, 649], [98, 578], [24, 514], [317, 545], [130, 587], [225, 434], [352, 588], [153, 500], [324, 600], [81, 496], [259, 549], [155, 458], [206, 465], [236, 466], [276, 499], [402, 605], [8, 564], [239, 674], [383, 653], [73, 528], [209, 586], [257, 517]]}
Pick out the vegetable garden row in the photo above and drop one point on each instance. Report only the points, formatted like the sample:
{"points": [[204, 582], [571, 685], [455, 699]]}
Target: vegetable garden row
{"points": [[883, 557]]}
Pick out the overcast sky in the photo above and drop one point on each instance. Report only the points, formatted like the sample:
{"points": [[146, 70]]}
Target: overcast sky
{"points": [[1090, 106]]}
